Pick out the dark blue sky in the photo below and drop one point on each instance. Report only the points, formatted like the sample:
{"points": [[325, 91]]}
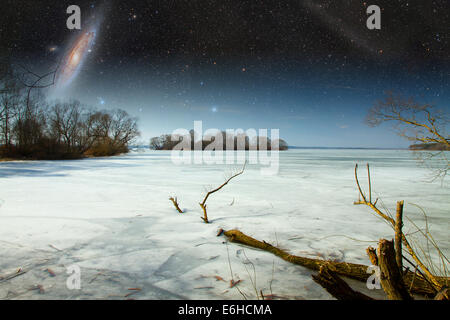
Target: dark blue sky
{"points": [[318, 105], [311, 69]]}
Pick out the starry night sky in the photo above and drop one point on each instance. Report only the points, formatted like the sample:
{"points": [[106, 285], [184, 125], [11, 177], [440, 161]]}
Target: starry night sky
{"points": [[309, 68]]}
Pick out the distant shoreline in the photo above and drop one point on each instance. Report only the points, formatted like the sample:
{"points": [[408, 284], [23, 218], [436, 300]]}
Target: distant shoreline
{"points": [[9, 159], [348, 148], [297, 147], [146, 147]]}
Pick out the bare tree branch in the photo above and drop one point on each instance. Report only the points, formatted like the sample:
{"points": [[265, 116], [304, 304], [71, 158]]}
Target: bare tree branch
{"points": [[422, 124], [203, 203], [175, 203], [430, 277]]}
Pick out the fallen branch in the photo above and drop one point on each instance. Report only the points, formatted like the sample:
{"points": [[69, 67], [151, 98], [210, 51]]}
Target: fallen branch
{"points": [[337, 287], [133, 291], [13, 275], [233, 283], [175, 203], [444, 294], [355, 271], [351, 270], [53, 247]]}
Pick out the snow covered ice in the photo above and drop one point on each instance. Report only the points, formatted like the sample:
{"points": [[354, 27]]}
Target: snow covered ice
{"points": [[112, 218]]}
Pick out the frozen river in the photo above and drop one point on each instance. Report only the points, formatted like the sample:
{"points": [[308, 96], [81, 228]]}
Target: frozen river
{"points": [[111, 217]]}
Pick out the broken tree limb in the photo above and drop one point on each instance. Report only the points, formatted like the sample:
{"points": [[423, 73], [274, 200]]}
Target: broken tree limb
{"points": [[13, 275], [372, 253], [203, 203], [398, 235], [205, 213], [355, 271], [444, 294], [391, 276], [175, 203], [351, 270], [434, 281], [337, 287]]}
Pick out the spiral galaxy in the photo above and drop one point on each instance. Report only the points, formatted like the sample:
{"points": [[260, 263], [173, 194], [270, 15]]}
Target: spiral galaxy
{"points": [[73, 60]]}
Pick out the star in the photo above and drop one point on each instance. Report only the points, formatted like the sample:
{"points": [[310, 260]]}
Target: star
{"points": [[133, 16]]}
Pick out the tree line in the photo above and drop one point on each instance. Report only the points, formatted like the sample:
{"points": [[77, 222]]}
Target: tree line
{"points": [[32, 128]]}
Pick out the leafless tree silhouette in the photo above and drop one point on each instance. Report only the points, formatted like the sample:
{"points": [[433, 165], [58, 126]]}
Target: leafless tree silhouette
{"points": [[422, 124]]}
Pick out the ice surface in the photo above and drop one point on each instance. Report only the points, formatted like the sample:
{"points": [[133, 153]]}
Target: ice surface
{"points": [[112, 217]]}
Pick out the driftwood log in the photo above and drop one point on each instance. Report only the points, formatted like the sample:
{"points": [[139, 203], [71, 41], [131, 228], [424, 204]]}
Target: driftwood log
{"points": [[337, 287], [416, 283]]}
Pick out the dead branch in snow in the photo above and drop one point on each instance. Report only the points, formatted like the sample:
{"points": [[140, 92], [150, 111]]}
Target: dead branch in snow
{"points": [[337, 287], [355, 271], [203, 203], [175, 203], [432, 279], [19, 272]]}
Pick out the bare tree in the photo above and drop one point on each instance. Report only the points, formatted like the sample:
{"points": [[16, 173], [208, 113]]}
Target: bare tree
{"points": [[100, 123], [157, 143], [419, 123], [10, 96], [66, 123], [31, 129], [123, 128], [112, 131], [30, 124]]}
